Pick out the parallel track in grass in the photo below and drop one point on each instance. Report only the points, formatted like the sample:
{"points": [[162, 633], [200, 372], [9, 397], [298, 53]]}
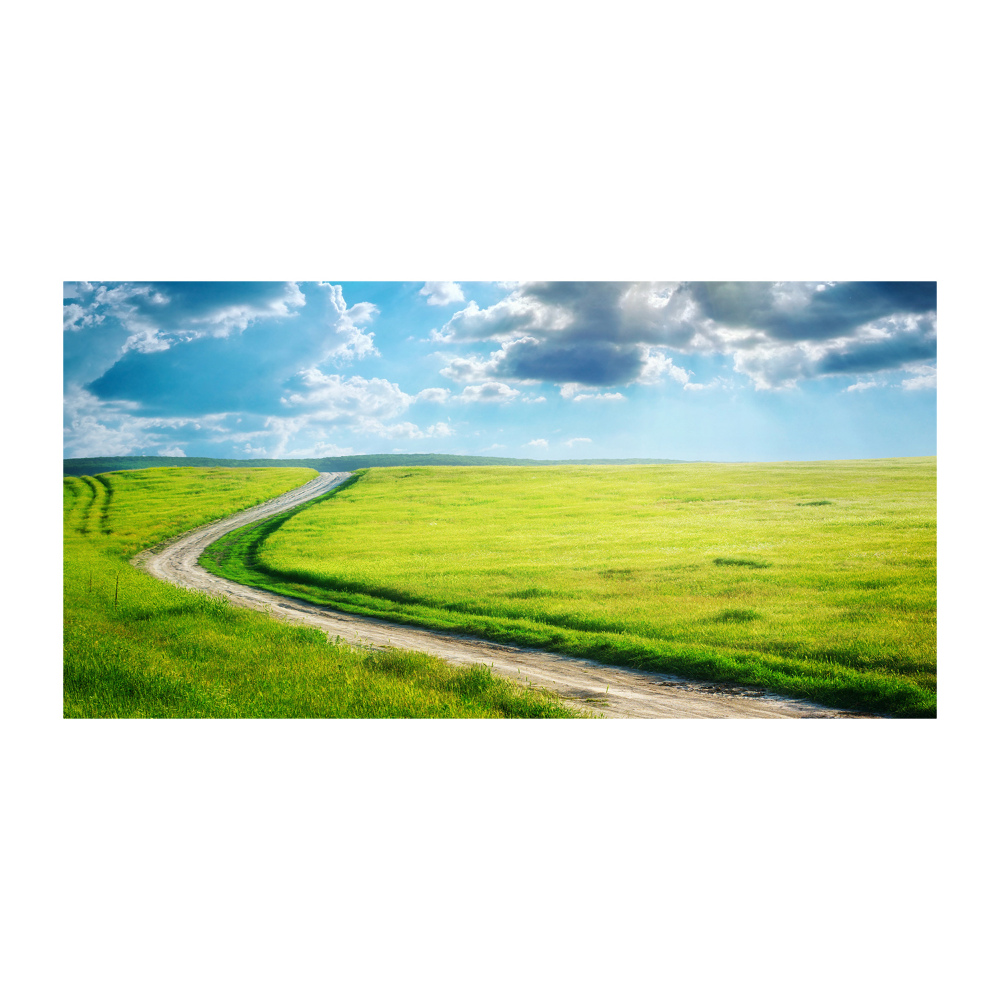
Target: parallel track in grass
{"points": [[96, 490]]}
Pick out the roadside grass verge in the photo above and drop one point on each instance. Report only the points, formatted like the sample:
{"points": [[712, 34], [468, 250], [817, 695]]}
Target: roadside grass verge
{"points": [[730, 573], [158, 651]]}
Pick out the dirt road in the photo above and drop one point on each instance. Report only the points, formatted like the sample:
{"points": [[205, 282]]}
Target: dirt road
{"points": [[612, 692]]}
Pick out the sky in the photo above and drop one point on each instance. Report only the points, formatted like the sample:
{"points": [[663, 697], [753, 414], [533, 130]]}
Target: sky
{"points": [[710, 371]]}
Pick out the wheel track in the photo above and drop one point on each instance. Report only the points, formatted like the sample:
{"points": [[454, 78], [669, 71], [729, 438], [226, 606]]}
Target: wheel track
{"points": [[109, 493], [72, 515], [96, 489]]}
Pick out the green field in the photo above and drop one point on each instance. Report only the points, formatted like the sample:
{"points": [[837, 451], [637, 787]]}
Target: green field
{"points": [[136, 647], [815, 579]]}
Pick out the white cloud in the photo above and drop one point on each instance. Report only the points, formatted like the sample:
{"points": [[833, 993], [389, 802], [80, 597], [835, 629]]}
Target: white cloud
{"points": [[76, 317], [369, 407], [402, 429], [656, 365], [573, 441], [600, 396], [777, 366], [489, 392], [347, 322], [433, 395], [76, 289], [578, 393], [497, 322], [860, 386], [355, 404], [440, 429], [717, 383], [537, 443], [86, 436], [466, 369], [321, 449], [281, 431], [171, 452], [441, 293], [925, 377], [92, 427], [340, 399], [145, 341]]}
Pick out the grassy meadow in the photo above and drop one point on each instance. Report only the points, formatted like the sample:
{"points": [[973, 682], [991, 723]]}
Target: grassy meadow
{"points": [[815, 580], [136, 647]]}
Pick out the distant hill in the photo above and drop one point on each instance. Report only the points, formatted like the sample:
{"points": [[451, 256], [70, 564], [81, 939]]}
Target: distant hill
{"points": [[346, 463]]}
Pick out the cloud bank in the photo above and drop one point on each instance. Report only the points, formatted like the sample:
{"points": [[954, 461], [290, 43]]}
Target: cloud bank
{"points": [[603, 334]]}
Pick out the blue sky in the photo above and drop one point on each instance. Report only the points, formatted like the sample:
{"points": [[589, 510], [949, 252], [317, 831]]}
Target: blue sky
{"points": [[723, 371]]}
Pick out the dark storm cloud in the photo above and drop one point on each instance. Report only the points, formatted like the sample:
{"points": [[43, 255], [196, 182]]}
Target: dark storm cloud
{"points": [[605, 333], [780, 310], [599, 363], [904, 348], [595, 306]]}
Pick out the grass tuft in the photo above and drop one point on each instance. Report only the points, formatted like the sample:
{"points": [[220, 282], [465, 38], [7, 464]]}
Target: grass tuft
{"points": [[738, 615]]}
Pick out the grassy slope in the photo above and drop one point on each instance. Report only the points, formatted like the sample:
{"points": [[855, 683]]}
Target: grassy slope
{"points": [[166, 652], [811, 579]]}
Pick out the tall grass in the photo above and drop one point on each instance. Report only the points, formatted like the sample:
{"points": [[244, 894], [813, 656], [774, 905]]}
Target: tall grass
{"points": [[159, 651], [811, 579]]}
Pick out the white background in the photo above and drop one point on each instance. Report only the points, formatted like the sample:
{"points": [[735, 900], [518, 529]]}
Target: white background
{"points": [[451, 141]]}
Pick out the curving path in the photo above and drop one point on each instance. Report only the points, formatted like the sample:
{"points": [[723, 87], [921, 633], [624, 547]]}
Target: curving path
{"points": [[613, 692]]}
